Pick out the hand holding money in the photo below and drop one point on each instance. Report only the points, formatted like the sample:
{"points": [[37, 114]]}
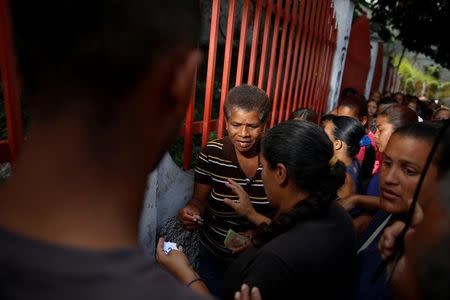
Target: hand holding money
{"points": [[237, 242]]}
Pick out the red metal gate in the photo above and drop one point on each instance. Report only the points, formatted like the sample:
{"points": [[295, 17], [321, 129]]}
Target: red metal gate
{"points": [[10, 147], [285, 47], [292, 44]]}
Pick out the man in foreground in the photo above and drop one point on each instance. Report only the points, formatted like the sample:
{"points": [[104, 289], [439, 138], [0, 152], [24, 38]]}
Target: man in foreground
{"points": [[108, 84]]}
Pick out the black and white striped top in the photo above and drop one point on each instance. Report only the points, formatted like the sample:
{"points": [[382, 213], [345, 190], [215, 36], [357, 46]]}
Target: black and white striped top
{"points": [[217, 162]]}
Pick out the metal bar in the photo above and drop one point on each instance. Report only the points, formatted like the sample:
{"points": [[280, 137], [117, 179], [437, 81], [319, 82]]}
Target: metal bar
{"points": [[209, 89], [313, 59], [276, 26], [309, 56], [188, 128], [9, 77], [331, 54], [326, 56], [322, 56], [288, 64], [323, 88], [226, 64], [330, 63], [305, 30], [280, 65], [242, 43], [318, 52], [294, 62], [262, 63], [255, 36], [5, 155]]}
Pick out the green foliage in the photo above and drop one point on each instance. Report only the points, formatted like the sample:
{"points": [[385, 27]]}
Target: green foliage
{"points": [[434, 71], [419, 24], [407, 70], [444, 90], [432, 89], [412, 80], [410, 86]]}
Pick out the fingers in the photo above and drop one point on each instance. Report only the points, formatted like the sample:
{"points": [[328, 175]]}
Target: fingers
{"points": [[189, 220], [255, 294], [235, 187], [243, 294], [387, 241], [231, 203]]}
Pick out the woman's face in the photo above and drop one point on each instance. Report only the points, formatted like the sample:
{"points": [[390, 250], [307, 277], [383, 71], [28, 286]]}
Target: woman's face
{"points": [[244, 129], [403, 162], [372, 108], [383, 133]]}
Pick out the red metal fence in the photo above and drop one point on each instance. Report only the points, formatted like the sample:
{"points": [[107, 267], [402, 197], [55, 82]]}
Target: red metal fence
{"points": [[285, 47], [9, 149]]}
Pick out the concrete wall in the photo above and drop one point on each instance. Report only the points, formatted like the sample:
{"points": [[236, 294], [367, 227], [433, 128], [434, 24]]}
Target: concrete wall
{"points": [[373, 61], [169, 188], [344, 14]]}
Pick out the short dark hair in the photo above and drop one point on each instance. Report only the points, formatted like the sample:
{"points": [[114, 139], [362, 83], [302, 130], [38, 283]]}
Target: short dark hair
{"points": [[399, 115], [349, 92], [385, 103], [99, 47], [355, 103], [306, 114], [248, 98]]}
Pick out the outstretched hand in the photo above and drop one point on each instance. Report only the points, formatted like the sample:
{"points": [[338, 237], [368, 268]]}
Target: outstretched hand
{"points": [[243, 206], [190, 218], [175, 262]]}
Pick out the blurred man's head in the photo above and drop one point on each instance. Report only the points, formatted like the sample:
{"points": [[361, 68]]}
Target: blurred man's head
{"points": [[110, 67]]}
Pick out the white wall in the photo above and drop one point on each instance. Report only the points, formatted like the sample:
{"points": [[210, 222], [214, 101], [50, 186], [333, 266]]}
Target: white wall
{"points": [[373, 61], [383, 73], [344, 14]]}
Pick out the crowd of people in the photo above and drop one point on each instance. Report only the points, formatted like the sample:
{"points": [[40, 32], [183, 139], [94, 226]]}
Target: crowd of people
{"points": [[377, 157], [319, 206]]}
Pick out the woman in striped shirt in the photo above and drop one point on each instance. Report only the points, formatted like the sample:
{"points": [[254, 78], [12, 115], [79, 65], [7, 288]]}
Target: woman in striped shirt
{"points": [[236, 158]]}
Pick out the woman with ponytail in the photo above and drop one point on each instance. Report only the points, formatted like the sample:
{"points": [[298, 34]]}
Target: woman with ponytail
{"points": [[348, 136], [310, 245]]}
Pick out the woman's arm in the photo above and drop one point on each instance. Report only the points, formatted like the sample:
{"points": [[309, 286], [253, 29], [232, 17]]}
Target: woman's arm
{"points": [[360, 201], [177, 264]]}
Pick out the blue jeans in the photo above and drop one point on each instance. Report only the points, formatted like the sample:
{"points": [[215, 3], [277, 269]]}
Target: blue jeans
{"points": [[212, 270]]}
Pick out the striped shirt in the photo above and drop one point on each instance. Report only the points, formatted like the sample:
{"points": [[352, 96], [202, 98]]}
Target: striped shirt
{"points": [[217, 162]]}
